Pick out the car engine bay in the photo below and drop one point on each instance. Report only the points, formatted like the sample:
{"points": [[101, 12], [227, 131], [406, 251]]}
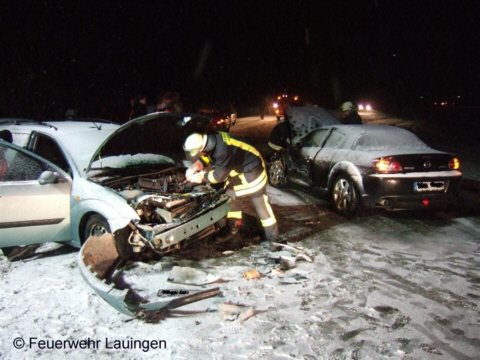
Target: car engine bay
{"points": [[164, 201]]}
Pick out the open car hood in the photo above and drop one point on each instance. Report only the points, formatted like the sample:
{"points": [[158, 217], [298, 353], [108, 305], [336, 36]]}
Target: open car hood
{"points": [[304, 119], [154, 138]]}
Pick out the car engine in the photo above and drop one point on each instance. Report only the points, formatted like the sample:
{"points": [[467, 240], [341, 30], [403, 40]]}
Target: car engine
{"points": [[165, 201]]}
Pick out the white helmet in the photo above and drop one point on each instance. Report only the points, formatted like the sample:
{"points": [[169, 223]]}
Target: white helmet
{"points": [[195, 143], [348, 106]]}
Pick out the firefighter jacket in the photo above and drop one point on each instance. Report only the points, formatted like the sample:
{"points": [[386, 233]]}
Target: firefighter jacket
{"points": [[280, 136], [234, 160]]}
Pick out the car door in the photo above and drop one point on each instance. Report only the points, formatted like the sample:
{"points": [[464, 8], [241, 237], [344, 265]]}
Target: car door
{"points": [[34, 199], [300, 169], [322, 164]]}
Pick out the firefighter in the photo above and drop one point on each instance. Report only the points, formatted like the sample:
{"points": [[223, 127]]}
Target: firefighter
{"points": [[280, 136], [227, 157], [350, 114]]}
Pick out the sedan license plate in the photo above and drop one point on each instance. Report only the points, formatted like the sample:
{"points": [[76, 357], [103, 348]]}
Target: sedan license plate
{"points": [[422, 186]]}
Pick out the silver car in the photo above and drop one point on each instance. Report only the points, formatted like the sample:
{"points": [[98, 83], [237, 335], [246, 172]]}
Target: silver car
{"points": [[41, 190], [84, 178]]}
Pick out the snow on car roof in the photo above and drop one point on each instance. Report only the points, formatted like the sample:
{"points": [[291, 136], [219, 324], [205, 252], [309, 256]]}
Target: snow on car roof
{"points": [[304, 119], [378, 137], [79, 138]]}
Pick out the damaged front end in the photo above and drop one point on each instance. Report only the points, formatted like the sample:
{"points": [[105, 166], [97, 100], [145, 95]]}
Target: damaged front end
{"points": [[172, 214]]}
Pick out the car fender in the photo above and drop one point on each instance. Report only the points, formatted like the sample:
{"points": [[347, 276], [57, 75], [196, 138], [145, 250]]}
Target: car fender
{"points": [[89, 198], [117, 215], [351, 170]]}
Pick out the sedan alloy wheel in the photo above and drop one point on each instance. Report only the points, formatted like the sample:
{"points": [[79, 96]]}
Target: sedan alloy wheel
{"points": [[344, 194]]}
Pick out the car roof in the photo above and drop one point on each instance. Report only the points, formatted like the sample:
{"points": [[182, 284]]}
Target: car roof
{"points": [[56, 126], [80, 138], [367, 128]]}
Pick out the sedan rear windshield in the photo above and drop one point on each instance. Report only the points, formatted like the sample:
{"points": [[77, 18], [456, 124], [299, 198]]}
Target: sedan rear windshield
{"points": [[384, 140]]}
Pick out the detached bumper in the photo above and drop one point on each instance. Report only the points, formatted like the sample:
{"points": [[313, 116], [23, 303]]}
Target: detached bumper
{"points": [[99, 259]]}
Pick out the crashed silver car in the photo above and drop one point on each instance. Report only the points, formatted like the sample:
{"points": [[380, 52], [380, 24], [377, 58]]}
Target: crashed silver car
{"points": [[130, 184], [141, 165], [44, 194]]}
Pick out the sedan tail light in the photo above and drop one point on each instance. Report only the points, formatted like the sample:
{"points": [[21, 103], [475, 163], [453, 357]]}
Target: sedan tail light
{"points": [[454, 164], [388, 166]]}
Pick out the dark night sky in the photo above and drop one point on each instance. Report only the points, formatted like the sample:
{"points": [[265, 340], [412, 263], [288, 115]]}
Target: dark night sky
{"points": [[88, 54]]}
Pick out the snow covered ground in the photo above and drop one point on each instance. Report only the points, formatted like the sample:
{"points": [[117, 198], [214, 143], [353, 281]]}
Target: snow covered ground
{"points": [[377, 287]]}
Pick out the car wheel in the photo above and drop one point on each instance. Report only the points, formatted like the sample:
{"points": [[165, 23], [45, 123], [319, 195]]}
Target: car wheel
{"points": [[96, 226], [345, 196], [276, 174]]}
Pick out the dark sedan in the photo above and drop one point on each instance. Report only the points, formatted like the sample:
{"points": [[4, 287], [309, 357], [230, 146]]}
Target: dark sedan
{"points": [[373, 166]]}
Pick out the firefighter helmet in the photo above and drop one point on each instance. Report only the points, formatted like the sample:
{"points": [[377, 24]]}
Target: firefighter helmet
{"points": [[348, 106], [195, 143]]}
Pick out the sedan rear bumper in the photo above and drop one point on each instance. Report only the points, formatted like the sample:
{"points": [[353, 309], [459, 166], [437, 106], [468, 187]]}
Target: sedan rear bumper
{"points": [[402, 191]]}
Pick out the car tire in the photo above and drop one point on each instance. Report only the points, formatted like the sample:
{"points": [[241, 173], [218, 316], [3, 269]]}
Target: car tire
{"points": [[345, 196], [96, 225], [276, 174]]}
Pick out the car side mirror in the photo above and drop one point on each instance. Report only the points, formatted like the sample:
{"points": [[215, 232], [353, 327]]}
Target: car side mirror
{"points": [[298, 145], [48, 177]]}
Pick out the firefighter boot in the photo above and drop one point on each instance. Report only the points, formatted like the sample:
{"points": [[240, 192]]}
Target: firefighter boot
{"points": [[274, 247], [233, 231]]}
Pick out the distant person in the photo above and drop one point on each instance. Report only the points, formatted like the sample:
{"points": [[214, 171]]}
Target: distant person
{"points": [[164, 103], [139, 106], [176, 103], [265, 107], [71, 114], [5, 135], [350, 114], [132, 108]]}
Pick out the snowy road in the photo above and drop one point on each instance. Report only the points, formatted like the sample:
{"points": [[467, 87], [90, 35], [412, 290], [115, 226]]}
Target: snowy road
{"points": [[382, 286]]}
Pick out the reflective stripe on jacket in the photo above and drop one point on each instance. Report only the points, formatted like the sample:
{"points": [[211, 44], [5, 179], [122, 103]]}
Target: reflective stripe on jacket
{"points": [[235, 160]]}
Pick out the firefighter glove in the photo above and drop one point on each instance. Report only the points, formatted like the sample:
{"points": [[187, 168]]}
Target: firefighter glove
{"points": [[194, 168], [196, 178]]}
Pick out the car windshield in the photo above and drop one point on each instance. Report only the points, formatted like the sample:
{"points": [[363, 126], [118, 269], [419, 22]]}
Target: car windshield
{"points": [[82, 147], [388, 138]]}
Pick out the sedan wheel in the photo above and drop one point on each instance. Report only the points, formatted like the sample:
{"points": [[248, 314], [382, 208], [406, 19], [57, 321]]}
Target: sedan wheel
{"points": [[96, 226], [276, 174], [344, 195]]}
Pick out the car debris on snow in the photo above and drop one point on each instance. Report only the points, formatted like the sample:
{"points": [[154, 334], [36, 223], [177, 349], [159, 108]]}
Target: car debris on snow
{"points": [[252, 274], [240, 312]]}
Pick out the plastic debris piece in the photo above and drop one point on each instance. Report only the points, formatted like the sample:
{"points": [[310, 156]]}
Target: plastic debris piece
{"points": [[252, 274]]}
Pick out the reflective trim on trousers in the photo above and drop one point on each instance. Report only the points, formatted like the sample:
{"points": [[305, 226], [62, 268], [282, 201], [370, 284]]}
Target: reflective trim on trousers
{"points": [[249, 188], [234, 215]]}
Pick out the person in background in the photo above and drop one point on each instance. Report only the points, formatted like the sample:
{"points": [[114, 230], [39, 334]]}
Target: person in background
{"points": [[5, 135], [176, 103], [71, 114], [139, 106], [230, 158], [164, 103], [350, 114], [280, 136]]}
